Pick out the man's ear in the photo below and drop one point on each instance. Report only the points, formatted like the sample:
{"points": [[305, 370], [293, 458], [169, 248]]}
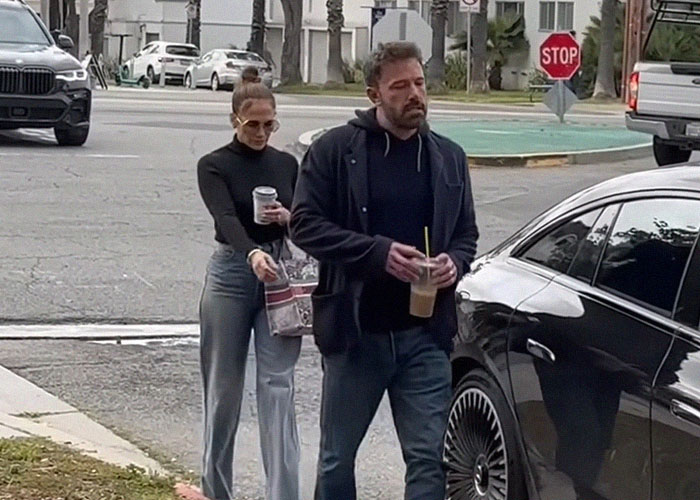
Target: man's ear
{"points": [[373, 96]]}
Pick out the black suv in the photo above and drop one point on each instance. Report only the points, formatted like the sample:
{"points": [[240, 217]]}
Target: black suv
{"points": [[41, 86]]}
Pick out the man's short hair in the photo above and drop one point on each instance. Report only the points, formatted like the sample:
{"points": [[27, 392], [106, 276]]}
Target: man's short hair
{"points": [[389, 53]]}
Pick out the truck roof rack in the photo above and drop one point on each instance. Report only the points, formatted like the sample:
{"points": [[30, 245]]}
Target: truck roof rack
{"points": [[676, 11]]}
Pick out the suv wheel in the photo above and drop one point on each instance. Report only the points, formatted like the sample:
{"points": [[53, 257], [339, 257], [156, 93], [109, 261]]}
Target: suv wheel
{"points": [[669, 154], [151, 74], [480, 449], [75, 136], [215, 82]]}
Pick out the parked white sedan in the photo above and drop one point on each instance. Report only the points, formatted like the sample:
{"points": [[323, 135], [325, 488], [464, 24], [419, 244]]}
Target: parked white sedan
{"points": [[149, 61], [221, 68]]}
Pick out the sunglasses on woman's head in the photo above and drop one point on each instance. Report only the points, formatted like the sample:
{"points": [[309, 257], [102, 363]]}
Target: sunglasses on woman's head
{"points": [[269, 126]]}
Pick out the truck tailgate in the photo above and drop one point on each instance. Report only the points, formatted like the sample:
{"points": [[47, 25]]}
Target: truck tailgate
{"points": [[669, 89]]}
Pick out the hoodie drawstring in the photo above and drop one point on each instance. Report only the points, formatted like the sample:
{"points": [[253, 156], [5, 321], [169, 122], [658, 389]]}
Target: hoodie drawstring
{"points": [[420, 150], [388, 144]]}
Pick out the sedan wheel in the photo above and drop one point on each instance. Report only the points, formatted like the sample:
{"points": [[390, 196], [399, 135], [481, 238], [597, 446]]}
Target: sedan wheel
{"points": [[480, 453], [188, 81], [215, 82]]}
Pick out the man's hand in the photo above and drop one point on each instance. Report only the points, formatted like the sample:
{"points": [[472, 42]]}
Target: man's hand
{"points": [[263, 266], [445, 274], [398, 262], [276, 213]]}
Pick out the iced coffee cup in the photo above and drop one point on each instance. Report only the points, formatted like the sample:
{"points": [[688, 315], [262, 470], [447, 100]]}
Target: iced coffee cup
{"points": [[423, 290], [262, 197]]}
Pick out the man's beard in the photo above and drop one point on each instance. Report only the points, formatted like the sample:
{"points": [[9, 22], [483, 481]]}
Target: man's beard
{"points": [[410, 117]]}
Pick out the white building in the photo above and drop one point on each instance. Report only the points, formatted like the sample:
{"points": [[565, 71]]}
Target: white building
{"points": [[226, 23]]}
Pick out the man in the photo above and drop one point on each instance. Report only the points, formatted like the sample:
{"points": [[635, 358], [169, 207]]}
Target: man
{"points": [[365, 192]]}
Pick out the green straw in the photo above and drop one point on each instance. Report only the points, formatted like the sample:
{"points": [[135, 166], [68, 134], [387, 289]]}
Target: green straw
{"points": [[427, 242]]}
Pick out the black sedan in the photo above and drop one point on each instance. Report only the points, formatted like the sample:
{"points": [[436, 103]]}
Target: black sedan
{"points": [[577, 363]]}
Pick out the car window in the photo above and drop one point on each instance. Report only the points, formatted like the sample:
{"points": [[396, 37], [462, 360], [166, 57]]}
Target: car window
{"points": [[688, 307], [557, 248], [234, 55], [182, 50], [207, 57], [648, 250], [586, 260], [20, 27]]}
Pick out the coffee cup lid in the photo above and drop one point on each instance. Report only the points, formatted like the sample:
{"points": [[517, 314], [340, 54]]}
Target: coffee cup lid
{"points": [[265, 191]]}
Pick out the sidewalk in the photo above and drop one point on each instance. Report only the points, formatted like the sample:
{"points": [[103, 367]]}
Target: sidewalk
{"points": [[28, 411]]}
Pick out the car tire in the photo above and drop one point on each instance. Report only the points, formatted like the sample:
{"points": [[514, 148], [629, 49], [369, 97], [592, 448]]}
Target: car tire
{"points": [[188, 81], [145, 82], [481, 455], [74, 136], [151, 74], [215, 82], [669, 154]]}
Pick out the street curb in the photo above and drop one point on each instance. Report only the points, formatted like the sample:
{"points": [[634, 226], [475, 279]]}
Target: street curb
{"points": [[26, 410], [552, 159], [97, 332]]}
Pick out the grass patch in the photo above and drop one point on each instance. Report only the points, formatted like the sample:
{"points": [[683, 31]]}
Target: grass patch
{"points": [[358, 90], [32, 469]]}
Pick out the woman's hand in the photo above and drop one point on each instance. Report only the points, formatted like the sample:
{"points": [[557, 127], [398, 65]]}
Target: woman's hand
{"points": [[275, 213], [263, 266]]}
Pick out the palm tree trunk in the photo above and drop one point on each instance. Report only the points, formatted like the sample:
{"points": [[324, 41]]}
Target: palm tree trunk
{"points": [[72, 28], [97, 18], [257, 28], [55, 15], [605, 76], [196, 24], [479, 49], [436, 64], [291, 48], [335, 49]]}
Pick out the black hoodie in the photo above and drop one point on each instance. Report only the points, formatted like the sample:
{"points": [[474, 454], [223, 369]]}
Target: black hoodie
{"points": [[400, 206]]}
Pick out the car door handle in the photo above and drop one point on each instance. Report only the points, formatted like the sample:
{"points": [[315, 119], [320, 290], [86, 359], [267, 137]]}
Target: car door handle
{"points": [[540, 351], [685, 412]]}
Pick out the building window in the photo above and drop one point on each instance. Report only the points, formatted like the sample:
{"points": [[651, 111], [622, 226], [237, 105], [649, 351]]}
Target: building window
{"points": [[422, 7], [565, 16], [506, 8], [547, 15]]}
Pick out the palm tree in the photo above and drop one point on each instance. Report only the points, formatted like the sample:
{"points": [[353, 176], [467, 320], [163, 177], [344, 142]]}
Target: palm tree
{"points": [[480, 34], [291, 49], [257, 28], [72, 28], [436, 64], [506, 37], [335, 55], [97, 18], [55, 15], [605, 76], [196, 23]]}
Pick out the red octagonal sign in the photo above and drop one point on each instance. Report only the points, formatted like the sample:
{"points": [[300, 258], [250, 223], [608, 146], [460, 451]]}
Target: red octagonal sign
{"points": [[560, 56]]}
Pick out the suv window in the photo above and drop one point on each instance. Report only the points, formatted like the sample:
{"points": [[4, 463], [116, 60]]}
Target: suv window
{"points": [[182, 50], [586, 261], [648, 251], [19, 26], [557, 248]]}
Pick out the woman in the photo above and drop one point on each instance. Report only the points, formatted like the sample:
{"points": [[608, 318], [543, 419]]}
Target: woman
{"points": [[233, 299]]}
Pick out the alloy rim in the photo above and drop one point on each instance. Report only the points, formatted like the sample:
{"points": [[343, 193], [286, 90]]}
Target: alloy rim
{"points": [[188, 81], [215, 83], [474, 452]]}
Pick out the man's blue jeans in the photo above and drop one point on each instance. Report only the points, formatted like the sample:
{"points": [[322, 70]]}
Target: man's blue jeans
{"points": [[417, 375]]}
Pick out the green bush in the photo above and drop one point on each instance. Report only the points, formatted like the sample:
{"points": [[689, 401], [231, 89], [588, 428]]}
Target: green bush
{"points": [[456, 71]]}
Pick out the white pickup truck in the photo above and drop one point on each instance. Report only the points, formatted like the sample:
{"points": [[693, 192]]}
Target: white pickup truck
{"points": [[664, 97]]}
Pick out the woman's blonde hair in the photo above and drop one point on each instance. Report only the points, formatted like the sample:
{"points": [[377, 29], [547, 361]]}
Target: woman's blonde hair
{"points": [[251, 87]]}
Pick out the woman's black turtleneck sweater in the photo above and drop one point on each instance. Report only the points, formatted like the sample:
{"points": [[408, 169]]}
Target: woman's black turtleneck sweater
{"points": [[227, 178]]}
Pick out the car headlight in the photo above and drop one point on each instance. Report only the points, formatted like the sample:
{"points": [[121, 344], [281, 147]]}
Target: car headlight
{"points": [[74, 75]]}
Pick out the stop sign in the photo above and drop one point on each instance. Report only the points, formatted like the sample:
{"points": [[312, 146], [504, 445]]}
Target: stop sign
{"points": [[560, 56]]}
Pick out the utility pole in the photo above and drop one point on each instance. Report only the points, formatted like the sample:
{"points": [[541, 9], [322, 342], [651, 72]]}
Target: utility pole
{"points": [[636, 30]]}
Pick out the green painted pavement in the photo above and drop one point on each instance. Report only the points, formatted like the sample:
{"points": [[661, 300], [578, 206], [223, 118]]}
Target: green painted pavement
{"points": [[503, 138]]}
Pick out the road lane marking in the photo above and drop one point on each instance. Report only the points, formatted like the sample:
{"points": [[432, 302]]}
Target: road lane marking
{"points": [[71, 155]]}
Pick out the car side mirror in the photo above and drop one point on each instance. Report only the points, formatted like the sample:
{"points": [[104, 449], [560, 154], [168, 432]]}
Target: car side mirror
{"points": [[65, 42]]}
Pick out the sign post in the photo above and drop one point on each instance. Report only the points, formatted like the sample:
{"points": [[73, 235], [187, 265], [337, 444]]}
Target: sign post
{"points": [[469, 6], [560, 58]]}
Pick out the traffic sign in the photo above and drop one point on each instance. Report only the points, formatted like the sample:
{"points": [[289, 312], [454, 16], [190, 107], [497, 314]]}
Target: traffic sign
{"points": [[560, 56], [473, 6]]}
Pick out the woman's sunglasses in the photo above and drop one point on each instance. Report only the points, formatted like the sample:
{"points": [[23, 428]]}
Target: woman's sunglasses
{"points": [[269, 126]]}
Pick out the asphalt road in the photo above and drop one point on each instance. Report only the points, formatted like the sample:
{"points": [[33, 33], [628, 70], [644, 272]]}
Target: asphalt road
{"points": [[115, 232]]}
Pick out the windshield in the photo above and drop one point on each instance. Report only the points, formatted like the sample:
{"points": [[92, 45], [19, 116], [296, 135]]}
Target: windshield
{"points": [[244, 56], [19, 26], [182, 50]]}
